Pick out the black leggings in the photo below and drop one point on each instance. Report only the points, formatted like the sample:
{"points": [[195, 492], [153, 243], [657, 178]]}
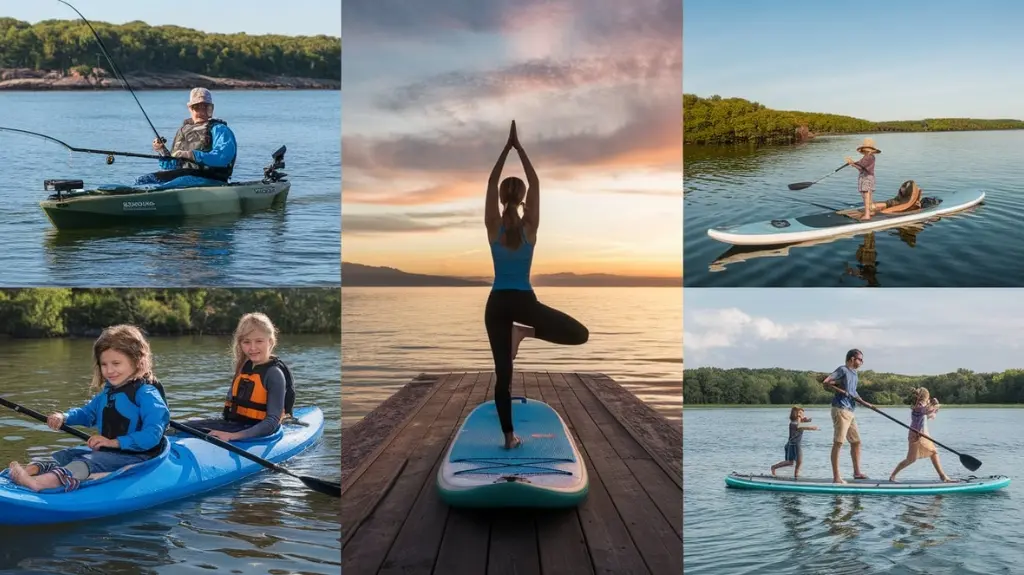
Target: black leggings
{"points": [[507, 306]]}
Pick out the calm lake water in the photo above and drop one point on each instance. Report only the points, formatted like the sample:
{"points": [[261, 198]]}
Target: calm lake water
{"points": [[268, 524], [728, 531], [969, 249], [297, 245], [390, 335]]}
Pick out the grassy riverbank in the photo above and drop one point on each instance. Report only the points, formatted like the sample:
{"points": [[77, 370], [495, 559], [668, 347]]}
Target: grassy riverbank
{"points": [[716, 121]]}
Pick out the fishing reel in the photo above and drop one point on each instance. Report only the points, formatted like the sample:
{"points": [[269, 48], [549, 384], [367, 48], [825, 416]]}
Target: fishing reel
{"points": [[271, 173]]}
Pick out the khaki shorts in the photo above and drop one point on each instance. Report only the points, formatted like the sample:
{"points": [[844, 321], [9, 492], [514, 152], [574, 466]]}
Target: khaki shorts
{"points": [[845, 425]]}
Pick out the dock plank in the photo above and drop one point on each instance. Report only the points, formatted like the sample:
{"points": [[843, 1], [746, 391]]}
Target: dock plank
{"points": [[630, 522]]}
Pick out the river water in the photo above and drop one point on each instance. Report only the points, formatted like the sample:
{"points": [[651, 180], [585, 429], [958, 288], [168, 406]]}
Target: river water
{"points": [[269, 523], [297, 245]]}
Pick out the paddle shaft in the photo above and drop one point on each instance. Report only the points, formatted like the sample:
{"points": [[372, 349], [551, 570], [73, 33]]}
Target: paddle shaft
{"points": [[232, 448], [880, 412], [40, 417], [805, 185]]}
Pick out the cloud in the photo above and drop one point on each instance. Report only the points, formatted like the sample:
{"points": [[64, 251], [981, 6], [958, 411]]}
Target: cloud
{"points": [[731, 327], [468, 89], [369, 224]]}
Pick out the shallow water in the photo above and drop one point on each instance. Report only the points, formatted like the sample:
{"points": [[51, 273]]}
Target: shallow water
{"points": [[970, 249], [635, 338], [267, 524], [297, 245], [729, 531]]}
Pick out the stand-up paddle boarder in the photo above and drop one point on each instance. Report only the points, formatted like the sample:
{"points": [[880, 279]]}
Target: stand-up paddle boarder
{"points": [[843, 381]]}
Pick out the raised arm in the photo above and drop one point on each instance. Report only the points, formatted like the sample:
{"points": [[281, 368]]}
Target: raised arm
{"points": [[531, 215], [492, 214]]}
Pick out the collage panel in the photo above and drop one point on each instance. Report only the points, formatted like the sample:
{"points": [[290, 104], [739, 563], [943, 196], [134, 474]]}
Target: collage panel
{"points": [[511, 392], [847, 152], [136, 426], [882, 444], [189, 150]]}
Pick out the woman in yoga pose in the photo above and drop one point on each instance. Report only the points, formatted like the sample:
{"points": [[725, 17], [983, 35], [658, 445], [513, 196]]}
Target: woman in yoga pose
{"points": [[512, 238]]}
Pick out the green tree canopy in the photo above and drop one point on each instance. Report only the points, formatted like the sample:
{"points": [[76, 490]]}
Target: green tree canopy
{"points": [[776, 386], [139, 47]]}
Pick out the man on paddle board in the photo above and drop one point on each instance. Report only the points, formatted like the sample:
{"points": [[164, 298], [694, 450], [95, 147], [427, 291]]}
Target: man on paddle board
{"points": [[843, 381], [203, 152]]}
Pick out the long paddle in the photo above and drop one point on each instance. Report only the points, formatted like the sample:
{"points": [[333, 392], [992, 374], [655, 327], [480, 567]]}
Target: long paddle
{"points": [[805, 185], [965, 460], [318, 485], [40, 417]]}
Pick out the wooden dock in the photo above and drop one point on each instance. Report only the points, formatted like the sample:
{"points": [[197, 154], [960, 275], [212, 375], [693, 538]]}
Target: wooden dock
{"points": [[393, 520]]}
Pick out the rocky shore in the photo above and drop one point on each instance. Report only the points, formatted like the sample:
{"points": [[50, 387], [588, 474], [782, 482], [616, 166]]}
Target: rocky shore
{"points": [[98, 79]]}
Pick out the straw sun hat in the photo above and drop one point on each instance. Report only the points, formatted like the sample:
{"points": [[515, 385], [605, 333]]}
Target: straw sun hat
{"points": [[869, 144]]}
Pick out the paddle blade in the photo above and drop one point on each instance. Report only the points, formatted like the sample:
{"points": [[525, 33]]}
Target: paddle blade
{"points": [[320, 486], [969, 462], [800, 185]]}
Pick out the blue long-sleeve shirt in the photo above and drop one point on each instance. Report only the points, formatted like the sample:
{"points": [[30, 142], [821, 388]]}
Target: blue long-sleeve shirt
{"points": [[151, 409], [222, 151]]}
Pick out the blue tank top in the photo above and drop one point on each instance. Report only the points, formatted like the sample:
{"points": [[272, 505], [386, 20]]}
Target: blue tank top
{"points": [[511, 268]]}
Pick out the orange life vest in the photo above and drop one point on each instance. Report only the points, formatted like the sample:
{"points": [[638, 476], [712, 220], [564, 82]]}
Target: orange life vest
{"points": [[248, 401]]}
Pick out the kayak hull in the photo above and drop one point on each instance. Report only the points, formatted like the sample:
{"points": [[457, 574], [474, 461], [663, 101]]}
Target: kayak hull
{"points": [[113, 206], [867, 486], [188, 466], [837, 223]]}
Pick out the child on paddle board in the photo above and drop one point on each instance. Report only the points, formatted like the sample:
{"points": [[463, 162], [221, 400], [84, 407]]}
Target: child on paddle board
{"points": [[262, 393], [794, 456], [919, 446], [129, 410], [866, 179]]}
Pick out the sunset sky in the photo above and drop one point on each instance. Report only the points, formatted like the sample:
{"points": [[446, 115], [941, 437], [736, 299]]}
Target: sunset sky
{"points": [[594, 87]]}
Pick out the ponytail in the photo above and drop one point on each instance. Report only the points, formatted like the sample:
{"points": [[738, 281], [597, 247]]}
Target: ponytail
{"points": [[513, 227]]}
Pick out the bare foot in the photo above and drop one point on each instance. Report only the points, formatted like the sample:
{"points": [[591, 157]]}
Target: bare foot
{"points": [[518, 335], [21, 477], [859, 476], [946, 479], [892, 479], [512, 442], [773, 472], [839, 480]]}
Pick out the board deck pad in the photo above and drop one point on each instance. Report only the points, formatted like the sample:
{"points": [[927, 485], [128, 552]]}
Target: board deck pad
{"points": [[537, 425]]}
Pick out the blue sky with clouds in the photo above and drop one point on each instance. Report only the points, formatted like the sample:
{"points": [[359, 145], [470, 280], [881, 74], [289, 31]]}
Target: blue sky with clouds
{"points": [[872, 59], [909, 331], [294, 18]]}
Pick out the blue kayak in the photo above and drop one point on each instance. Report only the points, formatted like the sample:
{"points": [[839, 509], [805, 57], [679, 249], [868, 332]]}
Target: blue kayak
{"points": [[187, 466], [867, 486], [547, 470]]}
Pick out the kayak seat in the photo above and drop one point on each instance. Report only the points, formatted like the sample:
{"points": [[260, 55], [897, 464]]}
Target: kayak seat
{"points": [[907, 199], [129, 469]]}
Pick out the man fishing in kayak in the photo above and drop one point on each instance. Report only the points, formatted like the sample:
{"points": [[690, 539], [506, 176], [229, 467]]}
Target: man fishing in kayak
{"points": [[843, 381], [203, 152]]}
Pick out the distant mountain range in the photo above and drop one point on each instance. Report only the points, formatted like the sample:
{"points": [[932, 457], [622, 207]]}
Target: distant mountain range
{"points": [[359, 275]]}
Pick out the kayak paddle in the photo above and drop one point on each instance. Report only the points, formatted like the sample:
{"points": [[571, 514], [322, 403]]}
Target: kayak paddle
{"points": [[318, 485], [40, 417], [966, 460], [805, 185]]}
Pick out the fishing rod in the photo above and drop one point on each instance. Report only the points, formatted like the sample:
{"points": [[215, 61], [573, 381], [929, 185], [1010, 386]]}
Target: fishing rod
{"points": [[108, 153], [116, 70]]}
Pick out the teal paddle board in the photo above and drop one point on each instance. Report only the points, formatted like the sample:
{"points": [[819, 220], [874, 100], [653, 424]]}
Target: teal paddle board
{"points": [[867, 486], [545, 471]]}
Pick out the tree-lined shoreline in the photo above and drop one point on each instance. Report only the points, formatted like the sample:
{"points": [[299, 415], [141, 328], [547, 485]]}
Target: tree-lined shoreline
{"points": [[762, 387], [725, 121], [76, 312], [64, 55]]}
